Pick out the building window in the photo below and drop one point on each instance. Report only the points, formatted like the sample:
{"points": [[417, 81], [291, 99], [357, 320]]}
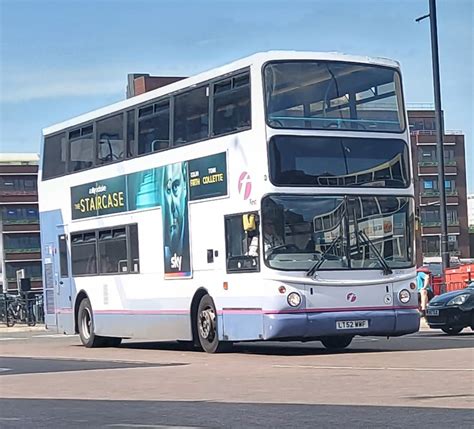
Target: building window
{"points": [[430, 184], [450, 185], [453, 244], [430, 215], [19, 215], [32, 270], [427, 155], [22, 242], [449, 155], [430, 245], [18, 184], [452, 216]]}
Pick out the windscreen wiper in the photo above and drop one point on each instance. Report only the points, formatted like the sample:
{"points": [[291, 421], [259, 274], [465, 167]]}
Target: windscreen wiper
{"points": [[386, 269], [318, 264]]}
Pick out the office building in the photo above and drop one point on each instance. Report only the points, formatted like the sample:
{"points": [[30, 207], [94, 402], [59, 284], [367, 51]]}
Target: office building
{"points": [[425, 167], [20, 247]]}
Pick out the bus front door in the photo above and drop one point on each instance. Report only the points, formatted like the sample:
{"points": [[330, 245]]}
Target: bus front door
{"points": [[57, 281], [63, 286]]}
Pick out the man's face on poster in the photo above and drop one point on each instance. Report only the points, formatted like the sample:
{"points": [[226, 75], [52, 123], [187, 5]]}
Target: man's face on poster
{"points": [[174, 209]]}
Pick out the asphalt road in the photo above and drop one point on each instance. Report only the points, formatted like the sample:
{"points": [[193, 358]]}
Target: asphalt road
{"points": [[150, 414], [50, 381]]}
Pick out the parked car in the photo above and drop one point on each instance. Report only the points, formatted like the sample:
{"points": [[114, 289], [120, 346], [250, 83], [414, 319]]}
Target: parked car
{"points": [[452, 311]]}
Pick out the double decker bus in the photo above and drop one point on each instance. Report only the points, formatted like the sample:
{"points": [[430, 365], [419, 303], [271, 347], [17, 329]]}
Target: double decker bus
{"points": [[268, 199]]}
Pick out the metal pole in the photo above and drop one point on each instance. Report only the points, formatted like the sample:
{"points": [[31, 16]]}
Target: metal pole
{"points": [[439, 136]]}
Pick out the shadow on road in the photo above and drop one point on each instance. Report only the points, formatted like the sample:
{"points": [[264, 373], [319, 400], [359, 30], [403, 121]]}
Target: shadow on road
{"points": [[414, 342]]}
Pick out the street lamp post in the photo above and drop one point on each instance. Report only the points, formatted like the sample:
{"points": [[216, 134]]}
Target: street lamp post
{"points": [[439, 132]]}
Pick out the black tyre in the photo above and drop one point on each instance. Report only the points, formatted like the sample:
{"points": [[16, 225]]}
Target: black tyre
{"points": [[32, 320], [206, 327], [452, 330], [337, 343], [11, 320], [86, 326]]}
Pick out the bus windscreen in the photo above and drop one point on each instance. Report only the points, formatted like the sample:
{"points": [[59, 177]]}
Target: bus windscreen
{"points": [[333, 95]]}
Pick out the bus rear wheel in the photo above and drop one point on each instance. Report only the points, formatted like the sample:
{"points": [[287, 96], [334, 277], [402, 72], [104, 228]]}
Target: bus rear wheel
{"points": [[206, 327], [86, 329], [337, 343]]}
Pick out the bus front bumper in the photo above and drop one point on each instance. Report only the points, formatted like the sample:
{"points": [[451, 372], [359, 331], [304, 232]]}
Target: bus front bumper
{"points": [[391, 322]]}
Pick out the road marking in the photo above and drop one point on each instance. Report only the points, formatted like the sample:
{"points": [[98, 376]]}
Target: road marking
{"points": [[468, 337], [5, 369], [129, 425], [13, 338], [381, 368], [9, 419], [52, 336]]}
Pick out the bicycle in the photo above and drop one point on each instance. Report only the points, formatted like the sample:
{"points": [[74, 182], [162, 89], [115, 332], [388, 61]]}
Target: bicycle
{"points": [[19, 311]]}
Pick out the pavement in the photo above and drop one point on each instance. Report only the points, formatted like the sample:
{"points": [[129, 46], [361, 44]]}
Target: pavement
{"points": [[4, 329]]}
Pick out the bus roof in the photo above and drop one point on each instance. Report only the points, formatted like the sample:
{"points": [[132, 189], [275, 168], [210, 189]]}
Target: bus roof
{"points": [[258, 58]]}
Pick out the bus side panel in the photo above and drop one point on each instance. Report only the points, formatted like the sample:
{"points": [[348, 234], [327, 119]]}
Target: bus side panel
{"points": [[145, 305]]}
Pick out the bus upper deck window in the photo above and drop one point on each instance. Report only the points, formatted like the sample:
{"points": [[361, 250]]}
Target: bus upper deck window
{"points": [[231, 104], [54, 156]]}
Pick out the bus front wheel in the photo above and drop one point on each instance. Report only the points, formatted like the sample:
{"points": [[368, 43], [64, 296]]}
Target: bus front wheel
{"points": [[206, 327], [337, 343]]}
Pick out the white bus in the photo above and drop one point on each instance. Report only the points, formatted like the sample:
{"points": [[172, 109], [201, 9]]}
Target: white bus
{"points": [[268, 199]]}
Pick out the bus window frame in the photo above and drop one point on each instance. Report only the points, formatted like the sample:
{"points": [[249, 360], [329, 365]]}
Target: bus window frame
{"points": [[124, 114], [400, 98], [134, 148], [97, 232]]}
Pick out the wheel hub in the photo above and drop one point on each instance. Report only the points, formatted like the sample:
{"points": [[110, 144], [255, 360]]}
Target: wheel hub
{"points": [[86, 324], [207, 322]]}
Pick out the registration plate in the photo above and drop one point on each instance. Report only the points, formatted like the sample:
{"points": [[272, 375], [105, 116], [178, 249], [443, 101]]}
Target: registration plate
{"points": [[432, 312], [352, 324]]}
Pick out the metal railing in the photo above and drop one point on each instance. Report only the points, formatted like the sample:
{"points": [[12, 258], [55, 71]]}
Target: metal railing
{"points": [[26, 309]]}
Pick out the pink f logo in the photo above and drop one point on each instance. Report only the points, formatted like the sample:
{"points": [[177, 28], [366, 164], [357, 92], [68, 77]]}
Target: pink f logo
{"points": [[351, 297], [245, 185]]}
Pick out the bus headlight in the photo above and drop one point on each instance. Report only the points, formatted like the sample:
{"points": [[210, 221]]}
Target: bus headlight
{"points": [[404, 296], [294, 299]]}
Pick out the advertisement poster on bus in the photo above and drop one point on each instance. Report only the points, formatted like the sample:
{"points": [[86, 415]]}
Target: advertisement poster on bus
{"points": [[170, 187], [174, 207]]}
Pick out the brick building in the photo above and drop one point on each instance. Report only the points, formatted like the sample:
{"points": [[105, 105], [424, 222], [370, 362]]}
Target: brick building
{"points": [[425, 167], [20, 246]]}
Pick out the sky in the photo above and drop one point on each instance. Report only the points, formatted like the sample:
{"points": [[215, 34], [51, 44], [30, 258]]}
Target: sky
{"points": [[62, 58]]}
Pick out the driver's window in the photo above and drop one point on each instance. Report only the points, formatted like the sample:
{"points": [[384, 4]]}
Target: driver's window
{"points": [[242, 242]]}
